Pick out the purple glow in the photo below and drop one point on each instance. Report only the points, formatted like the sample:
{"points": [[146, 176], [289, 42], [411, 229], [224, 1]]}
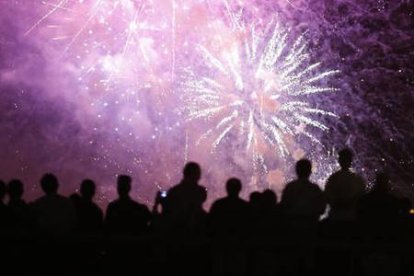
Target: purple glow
{"points": [[93, 88]]}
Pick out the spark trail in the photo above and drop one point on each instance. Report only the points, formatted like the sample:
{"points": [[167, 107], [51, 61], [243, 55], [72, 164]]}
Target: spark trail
{"points": [[113, 41], [255, 91], [246, 88]]}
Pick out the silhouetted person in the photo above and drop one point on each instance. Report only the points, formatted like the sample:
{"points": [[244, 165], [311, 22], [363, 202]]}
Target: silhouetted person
{"points": [[183, 205], [271, 213], [89, 215], [379, 220], [229, 221], [5, 215], [343, 189], [2, 192], [186, 221], [20, 211], [255, 208], [126, 216], [229, 215], [302, 201], [302, 205], [265, 213], [255, 200], [380, 209], [159, 224], [54, 214]]}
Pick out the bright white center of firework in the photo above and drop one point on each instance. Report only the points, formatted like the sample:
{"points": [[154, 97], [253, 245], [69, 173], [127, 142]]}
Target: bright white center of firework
{"points": [[133, 26], [257, 91]]}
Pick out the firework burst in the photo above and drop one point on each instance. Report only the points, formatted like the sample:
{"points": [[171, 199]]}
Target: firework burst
{"points": [[125, 59], [112, 42], [255, 91]]}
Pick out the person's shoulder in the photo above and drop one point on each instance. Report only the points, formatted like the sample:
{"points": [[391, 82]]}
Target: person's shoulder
{"points": [[113, 204], [294, 184], [201, 189], [243, 203], [217, 205], [335, 175], [21, 203], [358, 177], [290, 184], [95, 207], [174, 189], [141, 206], [36, 201], [220, 201], [39, 201], [65, 199], [315, 187]]}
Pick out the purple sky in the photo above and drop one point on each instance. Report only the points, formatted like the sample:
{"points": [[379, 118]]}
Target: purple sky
{"points": [[61, 113]]}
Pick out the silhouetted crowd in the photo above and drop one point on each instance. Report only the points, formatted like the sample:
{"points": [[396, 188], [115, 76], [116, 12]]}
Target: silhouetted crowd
{"points": [[341, 230]]}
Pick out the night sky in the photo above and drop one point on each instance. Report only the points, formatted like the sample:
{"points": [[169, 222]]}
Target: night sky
{"points": [[94, 88]]}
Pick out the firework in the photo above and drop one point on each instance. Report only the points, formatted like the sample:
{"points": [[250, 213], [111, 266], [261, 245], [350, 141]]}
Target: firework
{"points": [[255, 91], [183, 80]]}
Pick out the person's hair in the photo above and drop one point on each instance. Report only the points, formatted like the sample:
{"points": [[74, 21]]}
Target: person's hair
{"points": [[15, 188], [233, 186], [124, 185], [303, 168], [345, 157], [87, 188], [192, 171], [49, 183]]}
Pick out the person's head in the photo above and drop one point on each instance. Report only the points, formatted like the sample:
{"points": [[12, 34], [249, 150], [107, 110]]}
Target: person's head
{"points": [[345, 157], [192, 172], [382, 182], [2, 190], [254, 197], [233, 187], [269, 198], [255, 200], [303, 168], [49, 184], [87, 189], [15, 189], [124, 185]]}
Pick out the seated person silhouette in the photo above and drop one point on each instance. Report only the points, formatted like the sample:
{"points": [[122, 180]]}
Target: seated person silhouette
{"points": [[125, 216], [20, 211], [379, 210], [183, 204], [89, 215], [343, 189], [302, 201], [54, 214], [229, 215]]}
